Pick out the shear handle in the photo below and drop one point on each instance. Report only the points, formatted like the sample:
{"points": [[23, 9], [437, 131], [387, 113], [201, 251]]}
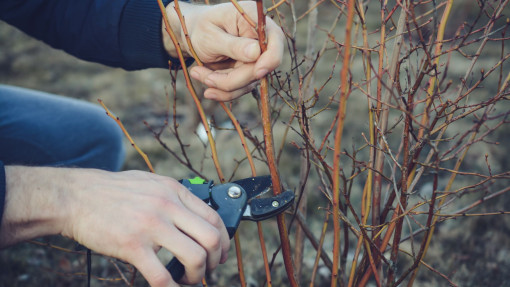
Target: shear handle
{"points": [[230, 206]]}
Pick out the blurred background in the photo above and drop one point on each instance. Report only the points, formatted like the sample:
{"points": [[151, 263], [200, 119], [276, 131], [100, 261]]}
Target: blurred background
{"points": [[472, 251]]}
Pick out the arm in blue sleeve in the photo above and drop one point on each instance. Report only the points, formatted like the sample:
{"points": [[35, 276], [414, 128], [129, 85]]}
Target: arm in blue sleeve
{"points": [[120, 33]]}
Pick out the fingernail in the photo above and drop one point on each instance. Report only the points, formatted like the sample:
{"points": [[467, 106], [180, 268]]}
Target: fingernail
{"points": [[261, 73], [251, 50], [194, 75], [210, 83]]}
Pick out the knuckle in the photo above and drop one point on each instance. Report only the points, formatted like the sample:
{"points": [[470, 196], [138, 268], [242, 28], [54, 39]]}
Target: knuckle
{"points": [[165, 204], [187, 196], [198, 261], [164, 180], [214, 240], [149, 220], [131, 246], [214, 218], [195, 269], [171, 211]]}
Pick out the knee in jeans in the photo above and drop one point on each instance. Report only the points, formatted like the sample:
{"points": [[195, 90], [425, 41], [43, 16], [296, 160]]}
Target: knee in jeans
{"points": [[111, 151]]}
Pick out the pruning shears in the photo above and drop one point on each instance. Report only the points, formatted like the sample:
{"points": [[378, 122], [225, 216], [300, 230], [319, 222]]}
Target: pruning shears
{"points": [[235, 201]]}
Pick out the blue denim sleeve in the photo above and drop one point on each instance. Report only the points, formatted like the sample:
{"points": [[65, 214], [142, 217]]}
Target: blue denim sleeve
{"points": [[120, 33], [2, 191]]}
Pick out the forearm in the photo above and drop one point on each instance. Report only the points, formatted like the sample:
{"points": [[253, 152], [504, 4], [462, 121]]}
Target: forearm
{"points": [[35, 203], [127, 215], [122, 33]]}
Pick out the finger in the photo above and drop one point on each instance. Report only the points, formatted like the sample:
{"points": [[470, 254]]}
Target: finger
{"points": [[226, 80], [203, 233], [272, 57], [223, 44], [203, 216], [222, 96], [228, 18], [213, 218], [207, 228], [151, 268], [190, 253]]}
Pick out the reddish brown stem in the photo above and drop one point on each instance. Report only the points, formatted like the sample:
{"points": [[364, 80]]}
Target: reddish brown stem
{"points": [[270, 154], [119, 123], [344, 94]]}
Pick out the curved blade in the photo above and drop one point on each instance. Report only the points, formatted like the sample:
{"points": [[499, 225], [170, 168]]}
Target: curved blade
{"points": [[255, 186], [264, 208]]}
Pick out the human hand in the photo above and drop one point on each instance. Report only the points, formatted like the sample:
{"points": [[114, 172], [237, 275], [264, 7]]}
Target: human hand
{"points": [[227, 45], [130, 215], [127, 215]]}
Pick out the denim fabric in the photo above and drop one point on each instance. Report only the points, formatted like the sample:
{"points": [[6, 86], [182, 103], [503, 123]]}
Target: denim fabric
{"points": [[41, 129]]}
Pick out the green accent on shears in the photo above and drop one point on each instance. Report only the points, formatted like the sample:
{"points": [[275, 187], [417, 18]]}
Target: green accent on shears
{"points": [[196, 180]]}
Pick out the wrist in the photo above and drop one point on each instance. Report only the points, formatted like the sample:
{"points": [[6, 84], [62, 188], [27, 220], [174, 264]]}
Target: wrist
{"points": [[35, 203]]}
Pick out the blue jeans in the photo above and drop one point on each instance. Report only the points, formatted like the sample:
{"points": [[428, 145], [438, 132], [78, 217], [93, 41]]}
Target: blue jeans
{"points": [[41, 129]]}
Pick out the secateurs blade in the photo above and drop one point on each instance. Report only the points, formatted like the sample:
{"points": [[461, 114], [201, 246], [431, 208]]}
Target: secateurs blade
{"points": [[236, 201]]}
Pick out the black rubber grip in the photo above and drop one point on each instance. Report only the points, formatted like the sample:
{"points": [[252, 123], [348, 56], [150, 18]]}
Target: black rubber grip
{"points": [[176, 269]]}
